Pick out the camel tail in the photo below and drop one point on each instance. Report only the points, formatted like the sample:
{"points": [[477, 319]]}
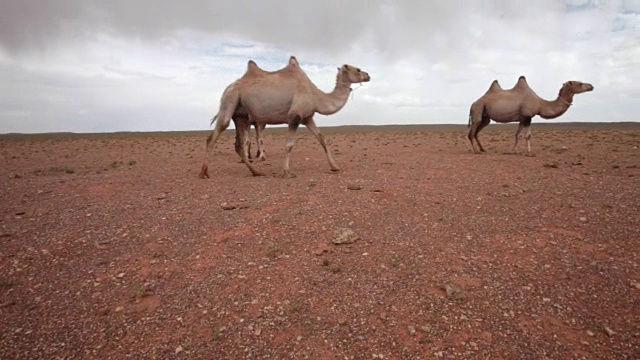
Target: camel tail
{"points": [[213, 120], [469, 124]]}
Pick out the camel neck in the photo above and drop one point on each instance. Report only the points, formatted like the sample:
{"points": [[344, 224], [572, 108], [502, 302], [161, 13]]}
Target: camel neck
{"points": [[334, 101], [557, 107]]}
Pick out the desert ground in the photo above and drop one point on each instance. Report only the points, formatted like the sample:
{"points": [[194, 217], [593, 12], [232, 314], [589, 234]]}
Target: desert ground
{"points": [[111, 247]]}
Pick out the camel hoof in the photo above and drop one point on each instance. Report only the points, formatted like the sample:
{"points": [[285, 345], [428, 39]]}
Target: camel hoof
{"points": [[204, 173], [335, 170], [288, 175], [256, 174]]}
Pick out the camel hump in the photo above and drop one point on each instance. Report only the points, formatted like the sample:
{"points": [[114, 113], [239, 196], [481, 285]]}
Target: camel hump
{"points": [[522, 83], [251, 64], [495, 86], [253, 68]]}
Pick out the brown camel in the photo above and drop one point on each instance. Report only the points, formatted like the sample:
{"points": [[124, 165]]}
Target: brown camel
{"points": [[285, 96], [519, 104]]}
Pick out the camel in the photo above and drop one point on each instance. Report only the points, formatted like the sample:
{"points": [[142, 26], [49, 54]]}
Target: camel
{"points": [[286, 96], [519, 104]]}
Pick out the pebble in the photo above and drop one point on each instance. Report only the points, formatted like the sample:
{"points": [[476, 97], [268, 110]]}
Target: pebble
{"points": [[608, 331], [411, 329]]}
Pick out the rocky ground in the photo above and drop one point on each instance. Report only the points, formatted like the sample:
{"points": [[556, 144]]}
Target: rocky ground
{"points": [[111, 247]]}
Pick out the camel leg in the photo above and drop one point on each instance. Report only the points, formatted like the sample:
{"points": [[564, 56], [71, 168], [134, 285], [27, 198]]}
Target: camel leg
{"points": [[261, 155], [471, 136], [291, 139], [238, 143], [242, 146], [475, 120], [524, 124], [528, 137], [515, 145], [483, 124], [221, 125], [311, 125]]}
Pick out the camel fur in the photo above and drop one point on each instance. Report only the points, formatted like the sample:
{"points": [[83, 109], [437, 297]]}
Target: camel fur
{"points": [[519, 104]]}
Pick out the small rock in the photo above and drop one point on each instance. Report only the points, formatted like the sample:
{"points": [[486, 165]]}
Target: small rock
{"points": [[590, 333], [354, 187], [425, 329], [411, 329], [119, 308], [344, 236], [233, 206], [608, 331], [583, 219], [438, 354], [120, 276], [324, 248], [227, 206], [454, 292], [161, 196], [179, 349]]}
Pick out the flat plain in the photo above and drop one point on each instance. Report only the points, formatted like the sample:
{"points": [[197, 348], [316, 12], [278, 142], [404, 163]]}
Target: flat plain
{"points": [[111, 247]]}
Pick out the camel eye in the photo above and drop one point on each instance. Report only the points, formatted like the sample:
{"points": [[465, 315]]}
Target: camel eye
{"points": [[358, 69]]}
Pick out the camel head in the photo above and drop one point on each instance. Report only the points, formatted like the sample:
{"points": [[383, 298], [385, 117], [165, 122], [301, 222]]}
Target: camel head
{"points": [[576, 87], [352, 74]]}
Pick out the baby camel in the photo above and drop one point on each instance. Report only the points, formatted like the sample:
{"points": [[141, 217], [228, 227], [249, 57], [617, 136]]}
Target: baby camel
{"points": [[519, 104], [286, 96]]}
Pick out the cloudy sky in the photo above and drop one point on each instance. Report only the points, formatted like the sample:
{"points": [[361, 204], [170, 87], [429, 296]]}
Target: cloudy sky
{"points": [[142, 65]]}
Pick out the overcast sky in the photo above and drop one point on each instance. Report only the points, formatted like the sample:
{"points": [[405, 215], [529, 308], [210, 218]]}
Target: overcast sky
{"points": [[142, 65]]}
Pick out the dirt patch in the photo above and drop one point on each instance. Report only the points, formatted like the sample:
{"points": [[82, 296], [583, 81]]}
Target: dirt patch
{"points": [[112, 247]]}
